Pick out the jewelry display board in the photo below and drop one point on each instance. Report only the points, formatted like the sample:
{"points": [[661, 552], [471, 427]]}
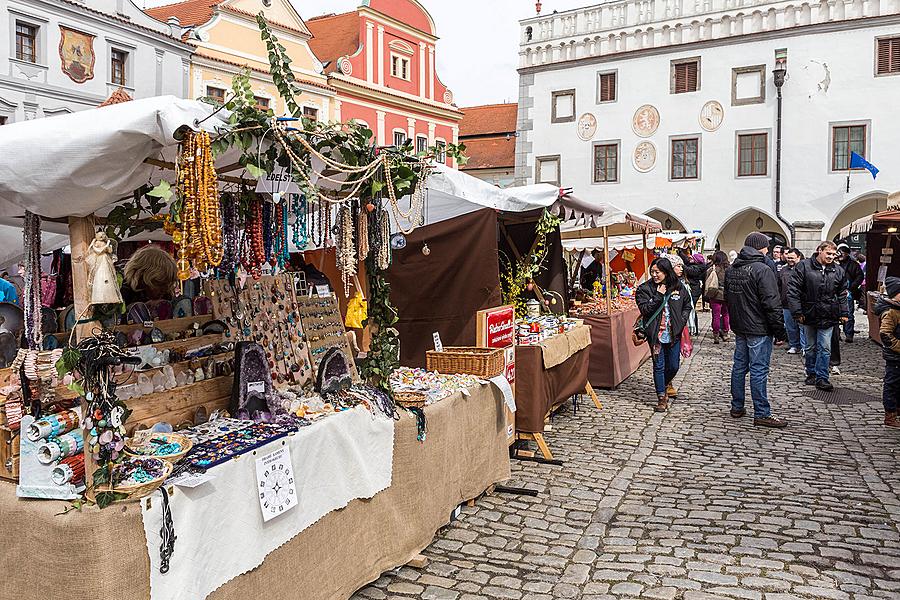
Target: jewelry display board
{"points": [[266, 311], [324, 329]]}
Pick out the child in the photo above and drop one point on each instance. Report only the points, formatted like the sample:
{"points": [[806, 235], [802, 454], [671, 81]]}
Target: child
{"points": [[888, 310]]}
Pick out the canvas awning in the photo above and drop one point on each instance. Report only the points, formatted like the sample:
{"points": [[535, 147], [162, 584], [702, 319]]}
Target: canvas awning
{"points": [[618, 242], [865, 224], [587, 218]]}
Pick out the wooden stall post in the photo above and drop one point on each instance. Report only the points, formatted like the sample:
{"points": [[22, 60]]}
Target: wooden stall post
{"points": [[606, 276], [81, 234], [646, 266]]}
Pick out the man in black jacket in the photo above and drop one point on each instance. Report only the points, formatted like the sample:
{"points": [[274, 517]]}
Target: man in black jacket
{"points": [[855, 278], [817, 297], [751, 292]]}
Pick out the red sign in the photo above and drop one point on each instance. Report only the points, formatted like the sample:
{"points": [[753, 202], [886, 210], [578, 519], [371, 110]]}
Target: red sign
{"points": [[501, 327]]}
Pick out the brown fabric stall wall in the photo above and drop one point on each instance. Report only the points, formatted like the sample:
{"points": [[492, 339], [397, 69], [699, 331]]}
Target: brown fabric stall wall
{"points": [[553, 276], [443, 291]]}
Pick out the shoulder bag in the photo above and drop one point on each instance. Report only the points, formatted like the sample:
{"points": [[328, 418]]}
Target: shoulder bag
{"points": [[639, 331]]}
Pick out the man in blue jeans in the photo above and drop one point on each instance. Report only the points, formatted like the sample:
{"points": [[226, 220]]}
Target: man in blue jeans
{"points": [[751, 291], [855, 276], [817, 297], [796, 334]]}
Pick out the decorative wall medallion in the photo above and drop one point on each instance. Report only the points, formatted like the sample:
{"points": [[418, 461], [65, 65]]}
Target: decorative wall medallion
{"points": [[587, 127], [645, 121], [448, 97], [644, 156], [346, 66], [711, 115], [76, 53]]}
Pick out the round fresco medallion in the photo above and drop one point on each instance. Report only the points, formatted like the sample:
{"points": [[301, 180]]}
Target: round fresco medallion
{"points": [[644, 156], [587, 126], [711, 115], [346, 67], [645, 121], [448, 97]]}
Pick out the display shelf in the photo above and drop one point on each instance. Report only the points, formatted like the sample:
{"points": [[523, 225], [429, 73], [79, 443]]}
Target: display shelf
{"points": [[180, 404]]}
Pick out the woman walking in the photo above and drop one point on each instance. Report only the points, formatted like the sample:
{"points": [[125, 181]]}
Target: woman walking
{"points": [[715, 293], [664, 302]]}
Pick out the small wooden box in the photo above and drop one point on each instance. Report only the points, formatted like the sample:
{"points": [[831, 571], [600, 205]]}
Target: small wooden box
{"points": [[9, 454]]}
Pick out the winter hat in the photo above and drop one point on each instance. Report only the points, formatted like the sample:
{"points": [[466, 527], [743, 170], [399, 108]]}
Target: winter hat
{"points": [[843, 247], [892, 286], [674, 259], [699, 258], [757, 240]]}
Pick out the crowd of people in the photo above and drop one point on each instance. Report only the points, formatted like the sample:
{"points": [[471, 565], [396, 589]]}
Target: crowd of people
{"points": [[767, 297]]}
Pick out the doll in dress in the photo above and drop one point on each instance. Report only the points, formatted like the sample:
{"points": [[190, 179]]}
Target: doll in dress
{"points": [[104, 285]]}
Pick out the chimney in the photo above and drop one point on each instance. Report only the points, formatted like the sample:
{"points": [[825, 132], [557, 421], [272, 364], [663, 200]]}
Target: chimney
{"points": [[174, 27]]}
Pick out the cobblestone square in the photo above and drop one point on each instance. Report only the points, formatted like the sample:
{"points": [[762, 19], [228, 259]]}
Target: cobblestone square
{"points": [[689, 504]]}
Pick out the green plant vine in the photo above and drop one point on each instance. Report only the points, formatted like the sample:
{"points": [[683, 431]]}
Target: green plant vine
{"points": [[383, 357], [518, 277]]}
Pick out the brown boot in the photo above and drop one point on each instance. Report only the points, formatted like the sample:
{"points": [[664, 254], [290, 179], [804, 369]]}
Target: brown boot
{"points": [[891, 420], [671, 392], [662, 405]]}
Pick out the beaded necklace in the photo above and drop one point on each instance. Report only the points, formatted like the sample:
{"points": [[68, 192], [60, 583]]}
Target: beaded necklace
{"points": [[201, 235], [31, 303], [230, 237], [254, 248], [267, 230], [299, 226], [282, 253]]}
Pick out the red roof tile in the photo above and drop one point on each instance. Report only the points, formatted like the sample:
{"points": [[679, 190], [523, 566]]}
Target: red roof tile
{"points": [[117, 97], [488, 119], [190, 12], [334, 36], [490, 153]]}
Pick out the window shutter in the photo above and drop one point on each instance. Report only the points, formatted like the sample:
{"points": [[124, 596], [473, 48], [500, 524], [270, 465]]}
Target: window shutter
{"points": [[888, 56], [691, 76], [680, 79], [608, 87]]}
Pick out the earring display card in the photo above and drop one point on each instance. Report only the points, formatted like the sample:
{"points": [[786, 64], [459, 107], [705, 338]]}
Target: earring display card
{"points": [[265, 311], [324, 329]]}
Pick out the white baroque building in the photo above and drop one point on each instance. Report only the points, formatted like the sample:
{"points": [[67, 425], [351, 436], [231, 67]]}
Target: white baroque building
{"points": [[669, 107], [114, 44]]}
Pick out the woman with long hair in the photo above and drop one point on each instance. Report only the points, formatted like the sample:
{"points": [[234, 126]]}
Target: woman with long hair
{"points": [[715, 293], [665, 305]]}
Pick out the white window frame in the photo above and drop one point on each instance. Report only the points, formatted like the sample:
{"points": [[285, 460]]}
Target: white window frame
{"points": [[394, 135], [401, 60], [548, 159], [424, 148], [40, 41], [318, 110], [441, 153]]}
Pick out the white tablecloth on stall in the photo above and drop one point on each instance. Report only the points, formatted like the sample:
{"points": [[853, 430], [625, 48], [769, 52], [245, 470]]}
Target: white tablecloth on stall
{"points": [[219, 527]]}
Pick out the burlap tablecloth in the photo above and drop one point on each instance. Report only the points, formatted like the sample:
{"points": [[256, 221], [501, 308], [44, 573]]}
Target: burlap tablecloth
{"points": [[103, 554], [559, 348], [613, 356]]}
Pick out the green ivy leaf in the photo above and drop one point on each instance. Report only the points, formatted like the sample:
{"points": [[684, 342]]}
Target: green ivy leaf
{"points": [[255, 171], [162, 190]]}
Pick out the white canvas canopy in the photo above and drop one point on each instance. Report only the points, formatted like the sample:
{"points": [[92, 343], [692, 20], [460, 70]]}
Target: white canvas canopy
{"points": [[588, 218], [81, 163], [619, 243]]}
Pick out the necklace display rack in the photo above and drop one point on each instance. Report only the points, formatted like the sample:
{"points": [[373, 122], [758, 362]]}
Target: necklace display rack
{"points": [[266, 312], [324, 329]]}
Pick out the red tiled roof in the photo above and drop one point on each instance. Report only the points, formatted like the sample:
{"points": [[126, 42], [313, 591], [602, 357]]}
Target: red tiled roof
{"points": [[334, 36], [190, 12], [119, 19], [490, 153], [117, 97], [488, 119]]}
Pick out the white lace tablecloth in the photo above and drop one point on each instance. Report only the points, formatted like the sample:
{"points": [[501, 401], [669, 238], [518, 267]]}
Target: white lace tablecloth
{"points": [[219, 526]]}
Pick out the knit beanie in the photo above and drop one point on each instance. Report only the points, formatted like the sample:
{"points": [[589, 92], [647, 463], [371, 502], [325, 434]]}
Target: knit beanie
{"points": [[757, 240], [674, 259], [892, 286]]}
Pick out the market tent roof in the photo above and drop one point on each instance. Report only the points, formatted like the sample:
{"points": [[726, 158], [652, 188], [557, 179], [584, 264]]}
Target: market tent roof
{"points": [[618, 242], [80, 163], [587, 218], [866, 223]]}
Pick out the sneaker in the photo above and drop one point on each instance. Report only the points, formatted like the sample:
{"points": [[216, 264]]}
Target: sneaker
{"points": [[810, 380], [671, 392], [824, 385], [737, 414], [770, 421], [793, 350], [835, 370]]}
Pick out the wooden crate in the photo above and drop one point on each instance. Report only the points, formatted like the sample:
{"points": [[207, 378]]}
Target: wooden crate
{"points": [[9, 454]]}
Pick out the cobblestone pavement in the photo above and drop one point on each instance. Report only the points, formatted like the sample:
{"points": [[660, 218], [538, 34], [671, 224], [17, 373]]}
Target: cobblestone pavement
{"points": [[689, 504]]}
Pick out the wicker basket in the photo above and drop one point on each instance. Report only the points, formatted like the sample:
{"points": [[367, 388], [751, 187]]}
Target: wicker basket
{"points": [[143, 437], [482, 362], [409, 399], [141, 489]]}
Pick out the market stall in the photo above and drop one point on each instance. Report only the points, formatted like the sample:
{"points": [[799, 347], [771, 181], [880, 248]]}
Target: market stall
{"points": [[881, 243], [233, 416], [612, 315]]}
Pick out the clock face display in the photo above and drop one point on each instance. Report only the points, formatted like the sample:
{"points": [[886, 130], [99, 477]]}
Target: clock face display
{"points": [[711, 115], [275, 482]]}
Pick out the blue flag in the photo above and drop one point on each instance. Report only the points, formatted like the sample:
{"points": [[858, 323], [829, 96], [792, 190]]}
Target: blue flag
{"points": [[858, 162]]}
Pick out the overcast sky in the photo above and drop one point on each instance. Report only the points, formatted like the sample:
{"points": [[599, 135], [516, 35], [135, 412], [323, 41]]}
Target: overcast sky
{"points": [[477, 54]]}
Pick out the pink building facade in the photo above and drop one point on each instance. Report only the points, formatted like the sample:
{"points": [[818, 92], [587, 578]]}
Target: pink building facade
{"points": [[381, 60]]}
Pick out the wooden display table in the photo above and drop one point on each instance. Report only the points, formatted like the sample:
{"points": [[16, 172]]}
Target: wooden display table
{"points": [[614, 358], [464, 454]]}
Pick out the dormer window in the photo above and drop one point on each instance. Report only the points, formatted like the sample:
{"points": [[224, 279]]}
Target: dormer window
{"points": [[400, 67]]}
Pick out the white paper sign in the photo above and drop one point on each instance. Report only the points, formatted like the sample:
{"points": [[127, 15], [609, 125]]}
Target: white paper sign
{"points": [[438, 346], [275, 482], [322, 291], [191, 480], [503, 385], [257, 386], [882, 273], [278, 181]]}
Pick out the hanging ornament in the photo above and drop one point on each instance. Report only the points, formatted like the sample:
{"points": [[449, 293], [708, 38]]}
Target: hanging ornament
{"points": [[32, 292], [425, 249], [201, 220], [398, 241]]}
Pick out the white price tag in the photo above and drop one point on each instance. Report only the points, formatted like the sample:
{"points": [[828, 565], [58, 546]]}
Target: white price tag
{"points": [[438, 346], [256, 386], [322, 290], [191, 480]]}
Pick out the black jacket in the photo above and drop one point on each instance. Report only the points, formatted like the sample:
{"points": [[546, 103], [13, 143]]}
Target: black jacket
{"points": [[818, 293], [751, 292], [888, 313], [784, 276], [854, 274], [695, 273], [649, 299]]}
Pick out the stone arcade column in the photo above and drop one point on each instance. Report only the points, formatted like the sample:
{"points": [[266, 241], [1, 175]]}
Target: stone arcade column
{"points": [[808, 236]]}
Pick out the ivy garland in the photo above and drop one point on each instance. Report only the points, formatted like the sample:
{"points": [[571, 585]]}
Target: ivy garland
{"points": [[518, 277]]}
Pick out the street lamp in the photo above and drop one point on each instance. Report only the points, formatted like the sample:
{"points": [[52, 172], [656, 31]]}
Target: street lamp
{"points": [[779, 75]]}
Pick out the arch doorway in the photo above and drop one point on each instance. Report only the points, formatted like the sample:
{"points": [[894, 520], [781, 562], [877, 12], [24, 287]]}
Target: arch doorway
{"points": [[856, 209], [735, 229], [669, 221]]}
